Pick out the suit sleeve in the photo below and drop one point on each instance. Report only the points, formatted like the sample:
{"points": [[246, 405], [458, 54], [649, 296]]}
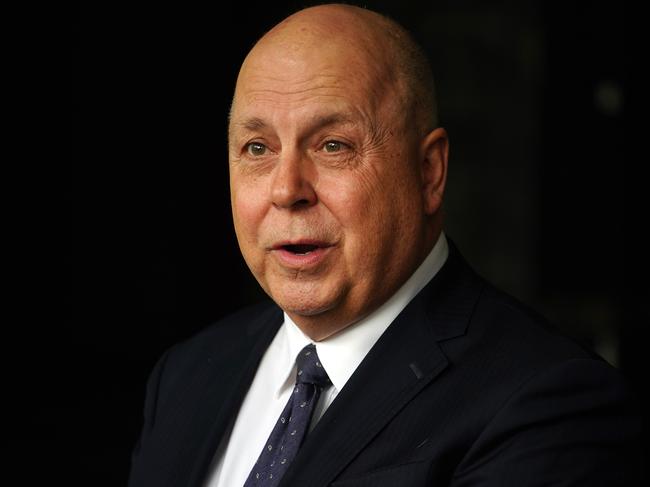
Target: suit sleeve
{"points": [[572, 425]]}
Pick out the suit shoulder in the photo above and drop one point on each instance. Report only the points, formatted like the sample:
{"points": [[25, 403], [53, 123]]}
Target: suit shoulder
{"points": [[233, 331], [496, 327], [529, 330], [242, 322]]}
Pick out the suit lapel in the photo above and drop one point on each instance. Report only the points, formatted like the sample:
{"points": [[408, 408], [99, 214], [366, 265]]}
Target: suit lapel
{"points": [[403, 361], [219, 405]]}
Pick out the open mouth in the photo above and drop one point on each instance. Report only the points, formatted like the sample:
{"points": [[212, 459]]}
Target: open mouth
{"points": [[302, 253], [300, 249]]}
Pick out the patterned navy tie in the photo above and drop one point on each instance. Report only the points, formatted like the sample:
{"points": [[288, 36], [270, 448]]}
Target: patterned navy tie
{"points": [[293, 423]]}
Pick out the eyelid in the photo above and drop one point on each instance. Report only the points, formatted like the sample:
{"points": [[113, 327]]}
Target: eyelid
{"points": [[327, 140], [247, 145], [254, 142]]}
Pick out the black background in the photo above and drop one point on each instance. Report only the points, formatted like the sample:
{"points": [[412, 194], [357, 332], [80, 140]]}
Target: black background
{"points": [[541, 198]]}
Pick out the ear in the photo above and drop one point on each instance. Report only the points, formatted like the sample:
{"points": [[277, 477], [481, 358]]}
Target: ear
{"points": [[434, 152]]}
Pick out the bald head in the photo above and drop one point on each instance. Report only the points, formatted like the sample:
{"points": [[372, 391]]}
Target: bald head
{"points": [[334, 159], [375, 47]]}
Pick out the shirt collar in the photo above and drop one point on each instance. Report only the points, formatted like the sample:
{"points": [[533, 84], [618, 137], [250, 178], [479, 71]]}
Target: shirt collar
{"points": [[342, 353]]}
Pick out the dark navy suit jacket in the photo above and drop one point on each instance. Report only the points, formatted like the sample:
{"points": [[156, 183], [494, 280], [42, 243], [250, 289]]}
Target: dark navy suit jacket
{"points": [[466, 387]]}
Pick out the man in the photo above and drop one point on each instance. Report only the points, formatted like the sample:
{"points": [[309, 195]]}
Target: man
{"points": [[420, 372]]}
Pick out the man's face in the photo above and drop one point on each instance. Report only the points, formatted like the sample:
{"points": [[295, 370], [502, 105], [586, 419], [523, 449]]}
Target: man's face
{"points": [[326, 192]]}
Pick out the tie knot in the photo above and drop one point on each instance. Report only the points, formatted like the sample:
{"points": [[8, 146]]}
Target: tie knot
{"points": [[310, 370]]}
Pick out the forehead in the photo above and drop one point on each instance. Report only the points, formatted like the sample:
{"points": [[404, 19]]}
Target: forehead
{"points": [[305, 103], [321, 90]]}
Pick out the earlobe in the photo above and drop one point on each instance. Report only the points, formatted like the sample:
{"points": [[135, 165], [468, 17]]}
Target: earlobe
{"points": [[433, 158]]}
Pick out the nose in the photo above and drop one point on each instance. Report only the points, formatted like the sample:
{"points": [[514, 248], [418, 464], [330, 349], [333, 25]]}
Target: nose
{"points": [[291, 185]]}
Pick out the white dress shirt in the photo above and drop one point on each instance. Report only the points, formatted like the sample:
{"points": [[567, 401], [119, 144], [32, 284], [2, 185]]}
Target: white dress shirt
{"points": [[340, 355]]}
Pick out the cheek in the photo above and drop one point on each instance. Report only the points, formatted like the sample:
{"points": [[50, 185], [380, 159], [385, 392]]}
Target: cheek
{"points": [[247, 209], [361, 209], [347, 198], [360, 198], [372, 206]]}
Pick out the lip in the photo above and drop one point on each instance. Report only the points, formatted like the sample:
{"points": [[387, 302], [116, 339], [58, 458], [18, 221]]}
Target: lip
{"points": [[301, 261]]}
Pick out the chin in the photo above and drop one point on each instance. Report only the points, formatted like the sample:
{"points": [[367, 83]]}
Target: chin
{"points": [[302, 308], [304, 302]]}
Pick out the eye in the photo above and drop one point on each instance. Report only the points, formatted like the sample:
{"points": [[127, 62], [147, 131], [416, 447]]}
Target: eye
{"points": [[255, 149], [333, 146]]}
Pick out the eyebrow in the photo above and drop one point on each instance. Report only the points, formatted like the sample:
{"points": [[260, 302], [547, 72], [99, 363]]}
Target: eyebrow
{"points": [[252, 124], [317, 122]]}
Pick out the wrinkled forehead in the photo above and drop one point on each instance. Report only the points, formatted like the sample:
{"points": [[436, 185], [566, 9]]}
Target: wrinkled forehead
{"points": [[304, 74]]}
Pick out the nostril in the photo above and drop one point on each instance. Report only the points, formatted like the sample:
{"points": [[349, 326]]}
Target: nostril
{"points": [[297, 204]]}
